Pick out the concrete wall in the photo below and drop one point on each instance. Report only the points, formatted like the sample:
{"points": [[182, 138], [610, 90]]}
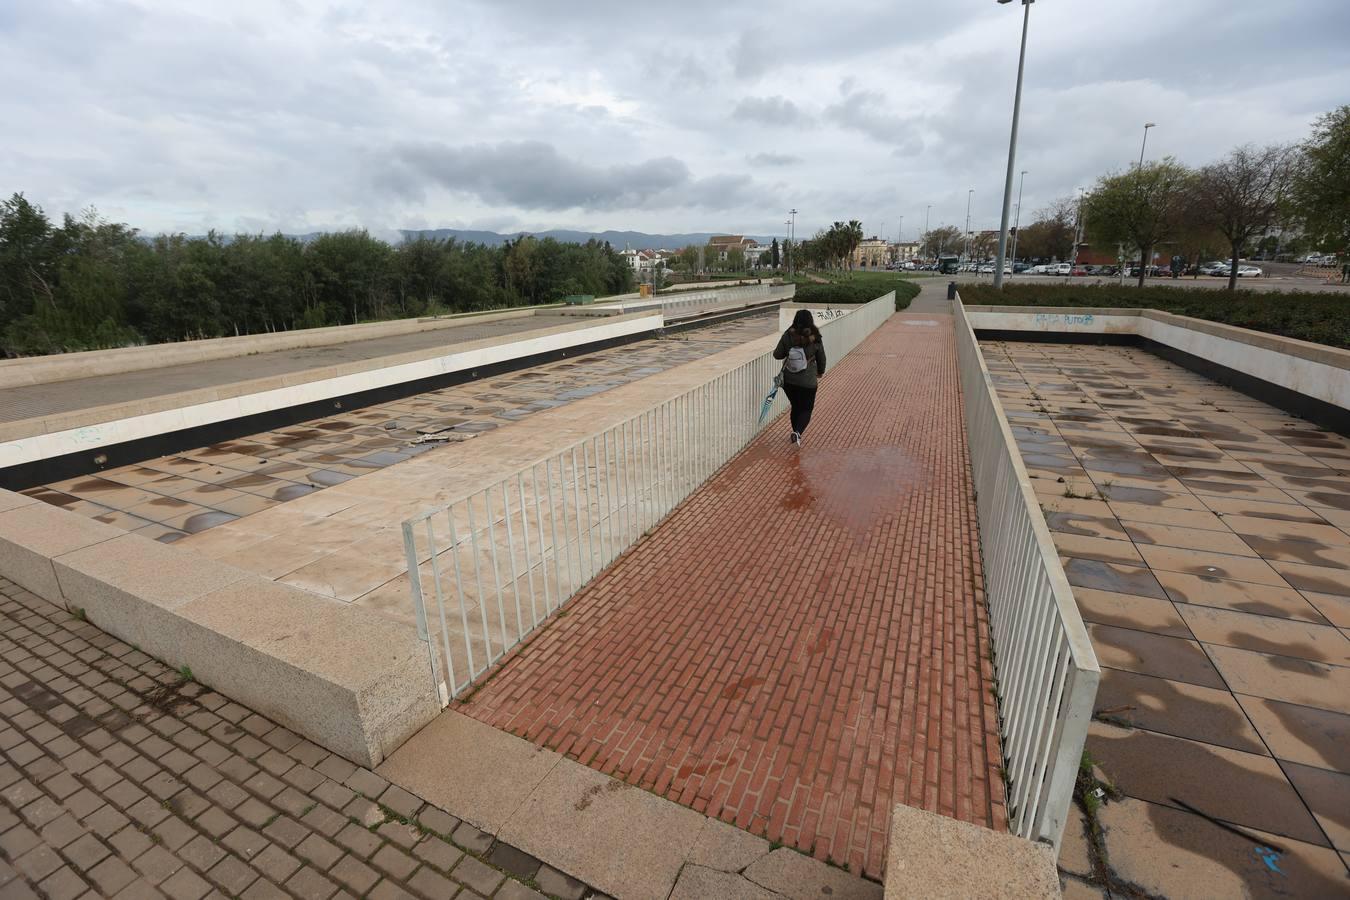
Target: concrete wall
{"points": [[684, 304], [31, 440], [344, 677], [69, 366], [821, 314], [1313, 370]]}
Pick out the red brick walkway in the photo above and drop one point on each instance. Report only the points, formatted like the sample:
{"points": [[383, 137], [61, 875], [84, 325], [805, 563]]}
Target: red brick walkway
{"points": [[802, 644]]}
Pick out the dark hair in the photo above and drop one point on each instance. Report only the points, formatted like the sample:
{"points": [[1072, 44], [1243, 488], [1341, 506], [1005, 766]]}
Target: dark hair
{"points": [[804, 326]]}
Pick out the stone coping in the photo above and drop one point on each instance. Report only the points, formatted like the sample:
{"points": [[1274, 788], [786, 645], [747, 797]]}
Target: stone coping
{"points": [[1321, 353], [26, 428], [343, 676], [69, 366], [622, 840], [933, 856]]}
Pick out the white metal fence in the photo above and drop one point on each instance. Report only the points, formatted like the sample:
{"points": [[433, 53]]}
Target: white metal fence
{"points": [[487, 570], [1043, 659]]}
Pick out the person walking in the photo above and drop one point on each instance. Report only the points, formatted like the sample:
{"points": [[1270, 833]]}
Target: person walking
{"points": [[802, 350]]}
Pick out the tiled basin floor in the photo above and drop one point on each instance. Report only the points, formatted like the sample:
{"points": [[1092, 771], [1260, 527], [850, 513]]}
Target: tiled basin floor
{"points": [[171, 497], [1207, 539]]}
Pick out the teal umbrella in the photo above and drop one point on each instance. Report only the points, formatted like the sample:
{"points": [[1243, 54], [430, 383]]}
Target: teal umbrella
{"points": [[768, 401]]}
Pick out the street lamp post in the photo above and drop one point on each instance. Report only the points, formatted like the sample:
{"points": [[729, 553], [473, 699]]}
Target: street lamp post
{"points": [[1147, 126], [1017, 224], [969, 194], [792, 239], [1012, 148]]}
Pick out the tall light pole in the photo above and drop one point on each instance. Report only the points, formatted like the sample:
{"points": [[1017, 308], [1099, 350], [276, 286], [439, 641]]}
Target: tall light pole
{"points": [[926, 214], [1012, 148], [1017, 224], [1079, 229], [1147, 126], [792, 239], [969, 194]]}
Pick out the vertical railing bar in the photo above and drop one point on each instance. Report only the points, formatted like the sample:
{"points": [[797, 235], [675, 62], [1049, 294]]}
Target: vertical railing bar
{"points": [[576, 505], [496, 568], [511, 551], [419, 605], [561, 592], [587, 452], [539, 521], [440, 608], [525, 538], [459, 591], [478, 577]]}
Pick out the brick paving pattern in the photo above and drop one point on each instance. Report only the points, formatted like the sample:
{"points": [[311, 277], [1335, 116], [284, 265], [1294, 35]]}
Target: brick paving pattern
{"points": [[119, 778], [803, 643]]}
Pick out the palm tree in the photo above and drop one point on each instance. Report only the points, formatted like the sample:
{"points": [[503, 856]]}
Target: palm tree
{"points": [[855, 239]]}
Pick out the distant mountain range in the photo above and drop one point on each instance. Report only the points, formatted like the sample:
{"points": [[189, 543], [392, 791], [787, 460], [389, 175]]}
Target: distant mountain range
{"points": [[638, 240]]}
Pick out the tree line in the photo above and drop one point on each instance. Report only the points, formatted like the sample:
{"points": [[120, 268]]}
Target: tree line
{"points": [[1226, 209], [89, 284]]}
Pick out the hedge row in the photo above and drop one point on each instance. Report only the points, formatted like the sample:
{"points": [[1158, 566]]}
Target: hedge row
{"points": [[856, 292], [1323, 318]]}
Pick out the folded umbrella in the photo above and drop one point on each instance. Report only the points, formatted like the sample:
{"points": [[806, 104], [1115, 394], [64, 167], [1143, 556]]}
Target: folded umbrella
{"points": [[768, 401]]}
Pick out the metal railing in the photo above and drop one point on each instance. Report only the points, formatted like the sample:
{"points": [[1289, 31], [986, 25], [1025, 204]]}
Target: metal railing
{"points": [[487, 570], [1043, 660]]}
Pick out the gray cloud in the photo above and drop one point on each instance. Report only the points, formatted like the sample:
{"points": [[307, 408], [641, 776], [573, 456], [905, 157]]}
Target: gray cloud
{"points": [[769, 111], [773, 159], [866, 113], [534, 175], [315, 113]]}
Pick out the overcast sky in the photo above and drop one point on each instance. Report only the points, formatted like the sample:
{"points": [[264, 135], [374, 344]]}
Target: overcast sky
{"points": [[303, 115]]}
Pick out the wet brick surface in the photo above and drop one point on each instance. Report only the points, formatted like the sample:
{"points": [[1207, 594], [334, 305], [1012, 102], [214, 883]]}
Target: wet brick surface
{"points": [[802, 644]]}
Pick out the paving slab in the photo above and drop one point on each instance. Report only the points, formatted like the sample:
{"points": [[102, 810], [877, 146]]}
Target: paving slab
{"points": [[623, 840], [797, 877], [474, 771], [934, 856], [1244, 657]]}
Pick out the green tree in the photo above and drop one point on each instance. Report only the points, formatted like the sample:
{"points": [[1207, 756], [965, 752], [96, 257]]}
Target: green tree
{"points": [[775, 260], [938, 241], [1243, 195], [1321, 189], [1051, 235], [1142, 208]]}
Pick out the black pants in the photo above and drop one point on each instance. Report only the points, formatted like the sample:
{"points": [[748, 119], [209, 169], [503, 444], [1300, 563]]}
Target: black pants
{"points": [[803, 400]]}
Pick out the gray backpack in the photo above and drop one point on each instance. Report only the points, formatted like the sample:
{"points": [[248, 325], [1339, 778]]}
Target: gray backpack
{"points": [[796, 360]]}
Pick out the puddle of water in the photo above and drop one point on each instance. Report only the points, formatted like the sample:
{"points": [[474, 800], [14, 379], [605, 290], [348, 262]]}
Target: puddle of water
{"points": [[202, 521]]}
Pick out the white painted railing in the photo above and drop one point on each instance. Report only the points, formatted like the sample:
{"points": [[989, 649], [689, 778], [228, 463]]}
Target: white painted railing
{"points": [[488, 570], [1043, 660]]}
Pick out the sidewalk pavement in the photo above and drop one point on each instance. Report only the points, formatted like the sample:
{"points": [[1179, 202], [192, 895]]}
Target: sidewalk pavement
{"points": [[119, 777]]}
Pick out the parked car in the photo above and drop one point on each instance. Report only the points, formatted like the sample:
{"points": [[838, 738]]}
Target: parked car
{"points": [[1079, 271], [1020, 267], [1250, 272], [1214, 268], [1059, 269]]}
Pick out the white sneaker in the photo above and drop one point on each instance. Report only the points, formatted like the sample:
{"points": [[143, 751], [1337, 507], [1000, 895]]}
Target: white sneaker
{"points": [[796, 439]]}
